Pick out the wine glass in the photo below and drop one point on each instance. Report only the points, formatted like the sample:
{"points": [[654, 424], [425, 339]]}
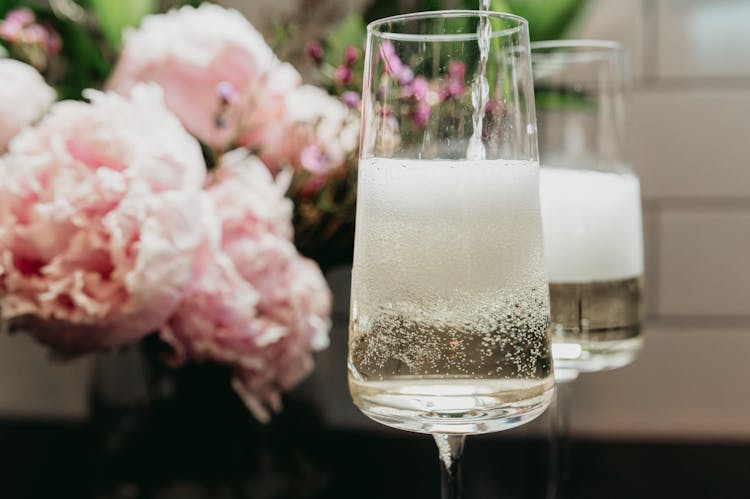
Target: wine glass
{"points": [[591, 215], [450, 310], [591, 204]]}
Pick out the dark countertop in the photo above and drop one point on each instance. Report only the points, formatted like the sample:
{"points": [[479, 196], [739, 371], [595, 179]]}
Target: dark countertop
{"points": [[296, 458]]}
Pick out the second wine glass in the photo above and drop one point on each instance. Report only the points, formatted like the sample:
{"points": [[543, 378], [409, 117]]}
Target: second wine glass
{"points": [[450, 308], [591, 205]]}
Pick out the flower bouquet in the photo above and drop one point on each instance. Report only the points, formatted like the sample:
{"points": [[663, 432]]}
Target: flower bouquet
{"points": [[161, 206]]}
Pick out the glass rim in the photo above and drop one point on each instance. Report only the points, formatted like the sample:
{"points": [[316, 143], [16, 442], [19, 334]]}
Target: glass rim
{"points": [[373, 28], [579, 50]]}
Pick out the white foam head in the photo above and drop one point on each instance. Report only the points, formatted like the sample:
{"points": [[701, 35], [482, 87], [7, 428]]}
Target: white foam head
{"points": [[447, 227], [592, 225]]}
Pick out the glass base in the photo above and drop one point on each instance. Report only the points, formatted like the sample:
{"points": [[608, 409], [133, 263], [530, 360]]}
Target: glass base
{"points": [[593, 356], [456, 407]]}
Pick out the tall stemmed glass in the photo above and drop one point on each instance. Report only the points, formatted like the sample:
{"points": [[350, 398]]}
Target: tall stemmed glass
{"points": [[450, 311], [591, 213]]}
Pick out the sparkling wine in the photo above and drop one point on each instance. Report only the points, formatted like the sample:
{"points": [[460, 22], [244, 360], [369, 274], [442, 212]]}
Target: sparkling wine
{"points": [[449, 320], [594, 253]]}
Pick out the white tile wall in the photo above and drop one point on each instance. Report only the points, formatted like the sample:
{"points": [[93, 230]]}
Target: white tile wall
{"points": [[699, 39], [704, 263], [651, 254], [691, 143], [622, 21], [689, 383]]}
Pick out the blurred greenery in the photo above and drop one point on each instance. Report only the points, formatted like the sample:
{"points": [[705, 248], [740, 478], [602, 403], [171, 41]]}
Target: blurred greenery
{"points": [[85, 59], [350, 32], [550, 99], [115, 16], [548, 19]]}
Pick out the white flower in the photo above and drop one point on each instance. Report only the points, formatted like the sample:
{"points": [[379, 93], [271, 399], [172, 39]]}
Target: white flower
{"points": [[336, 128], [24, 97]]}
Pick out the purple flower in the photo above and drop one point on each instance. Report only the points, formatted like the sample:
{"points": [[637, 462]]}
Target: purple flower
{"points": [[36, 34], [350, 99], [393, 65], [456, 88], [389, 57], [314, 51], [10, 31], [314, 160], [419, 89], [454, 85], [54, 42], [421, 114], [343, 75], [457, 70], [20, 26], [405, 76], [350, 56], [227, 93], [22, 16]]}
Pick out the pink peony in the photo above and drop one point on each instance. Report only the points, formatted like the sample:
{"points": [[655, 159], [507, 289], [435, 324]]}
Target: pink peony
{"points": [[100, 210], [24, 97], [316, 136], [195, 54], [255, 303]]}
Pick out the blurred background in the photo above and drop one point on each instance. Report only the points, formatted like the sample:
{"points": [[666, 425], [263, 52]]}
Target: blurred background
{"points": [[674, 423]]}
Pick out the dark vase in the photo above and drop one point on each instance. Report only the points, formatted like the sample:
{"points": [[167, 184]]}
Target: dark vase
{"points": [[164, 433]]}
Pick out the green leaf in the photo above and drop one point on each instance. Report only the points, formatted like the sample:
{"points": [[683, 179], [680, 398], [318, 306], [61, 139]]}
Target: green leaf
{"points": [[115, 16], [351, 31], [383, 8], [548, 19], [554, 100], [88, 64], [3, 52], [495, 5]]}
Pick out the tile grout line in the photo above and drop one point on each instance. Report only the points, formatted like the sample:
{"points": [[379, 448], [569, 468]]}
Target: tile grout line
{"points": [[656, 249], [694, 84], [650, 20], [687, 204], [700, 320]]}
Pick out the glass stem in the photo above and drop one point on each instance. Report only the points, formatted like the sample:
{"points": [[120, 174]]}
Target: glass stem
{"points": [[559, 449], [451, 449]]}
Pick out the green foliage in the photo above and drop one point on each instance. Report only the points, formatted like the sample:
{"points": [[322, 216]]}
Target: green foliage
{"points": [[382, 8], [548, 19], [496, 5], [351, 31], [115, 16], [7, 5], [554, 100], [89, 61]]}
